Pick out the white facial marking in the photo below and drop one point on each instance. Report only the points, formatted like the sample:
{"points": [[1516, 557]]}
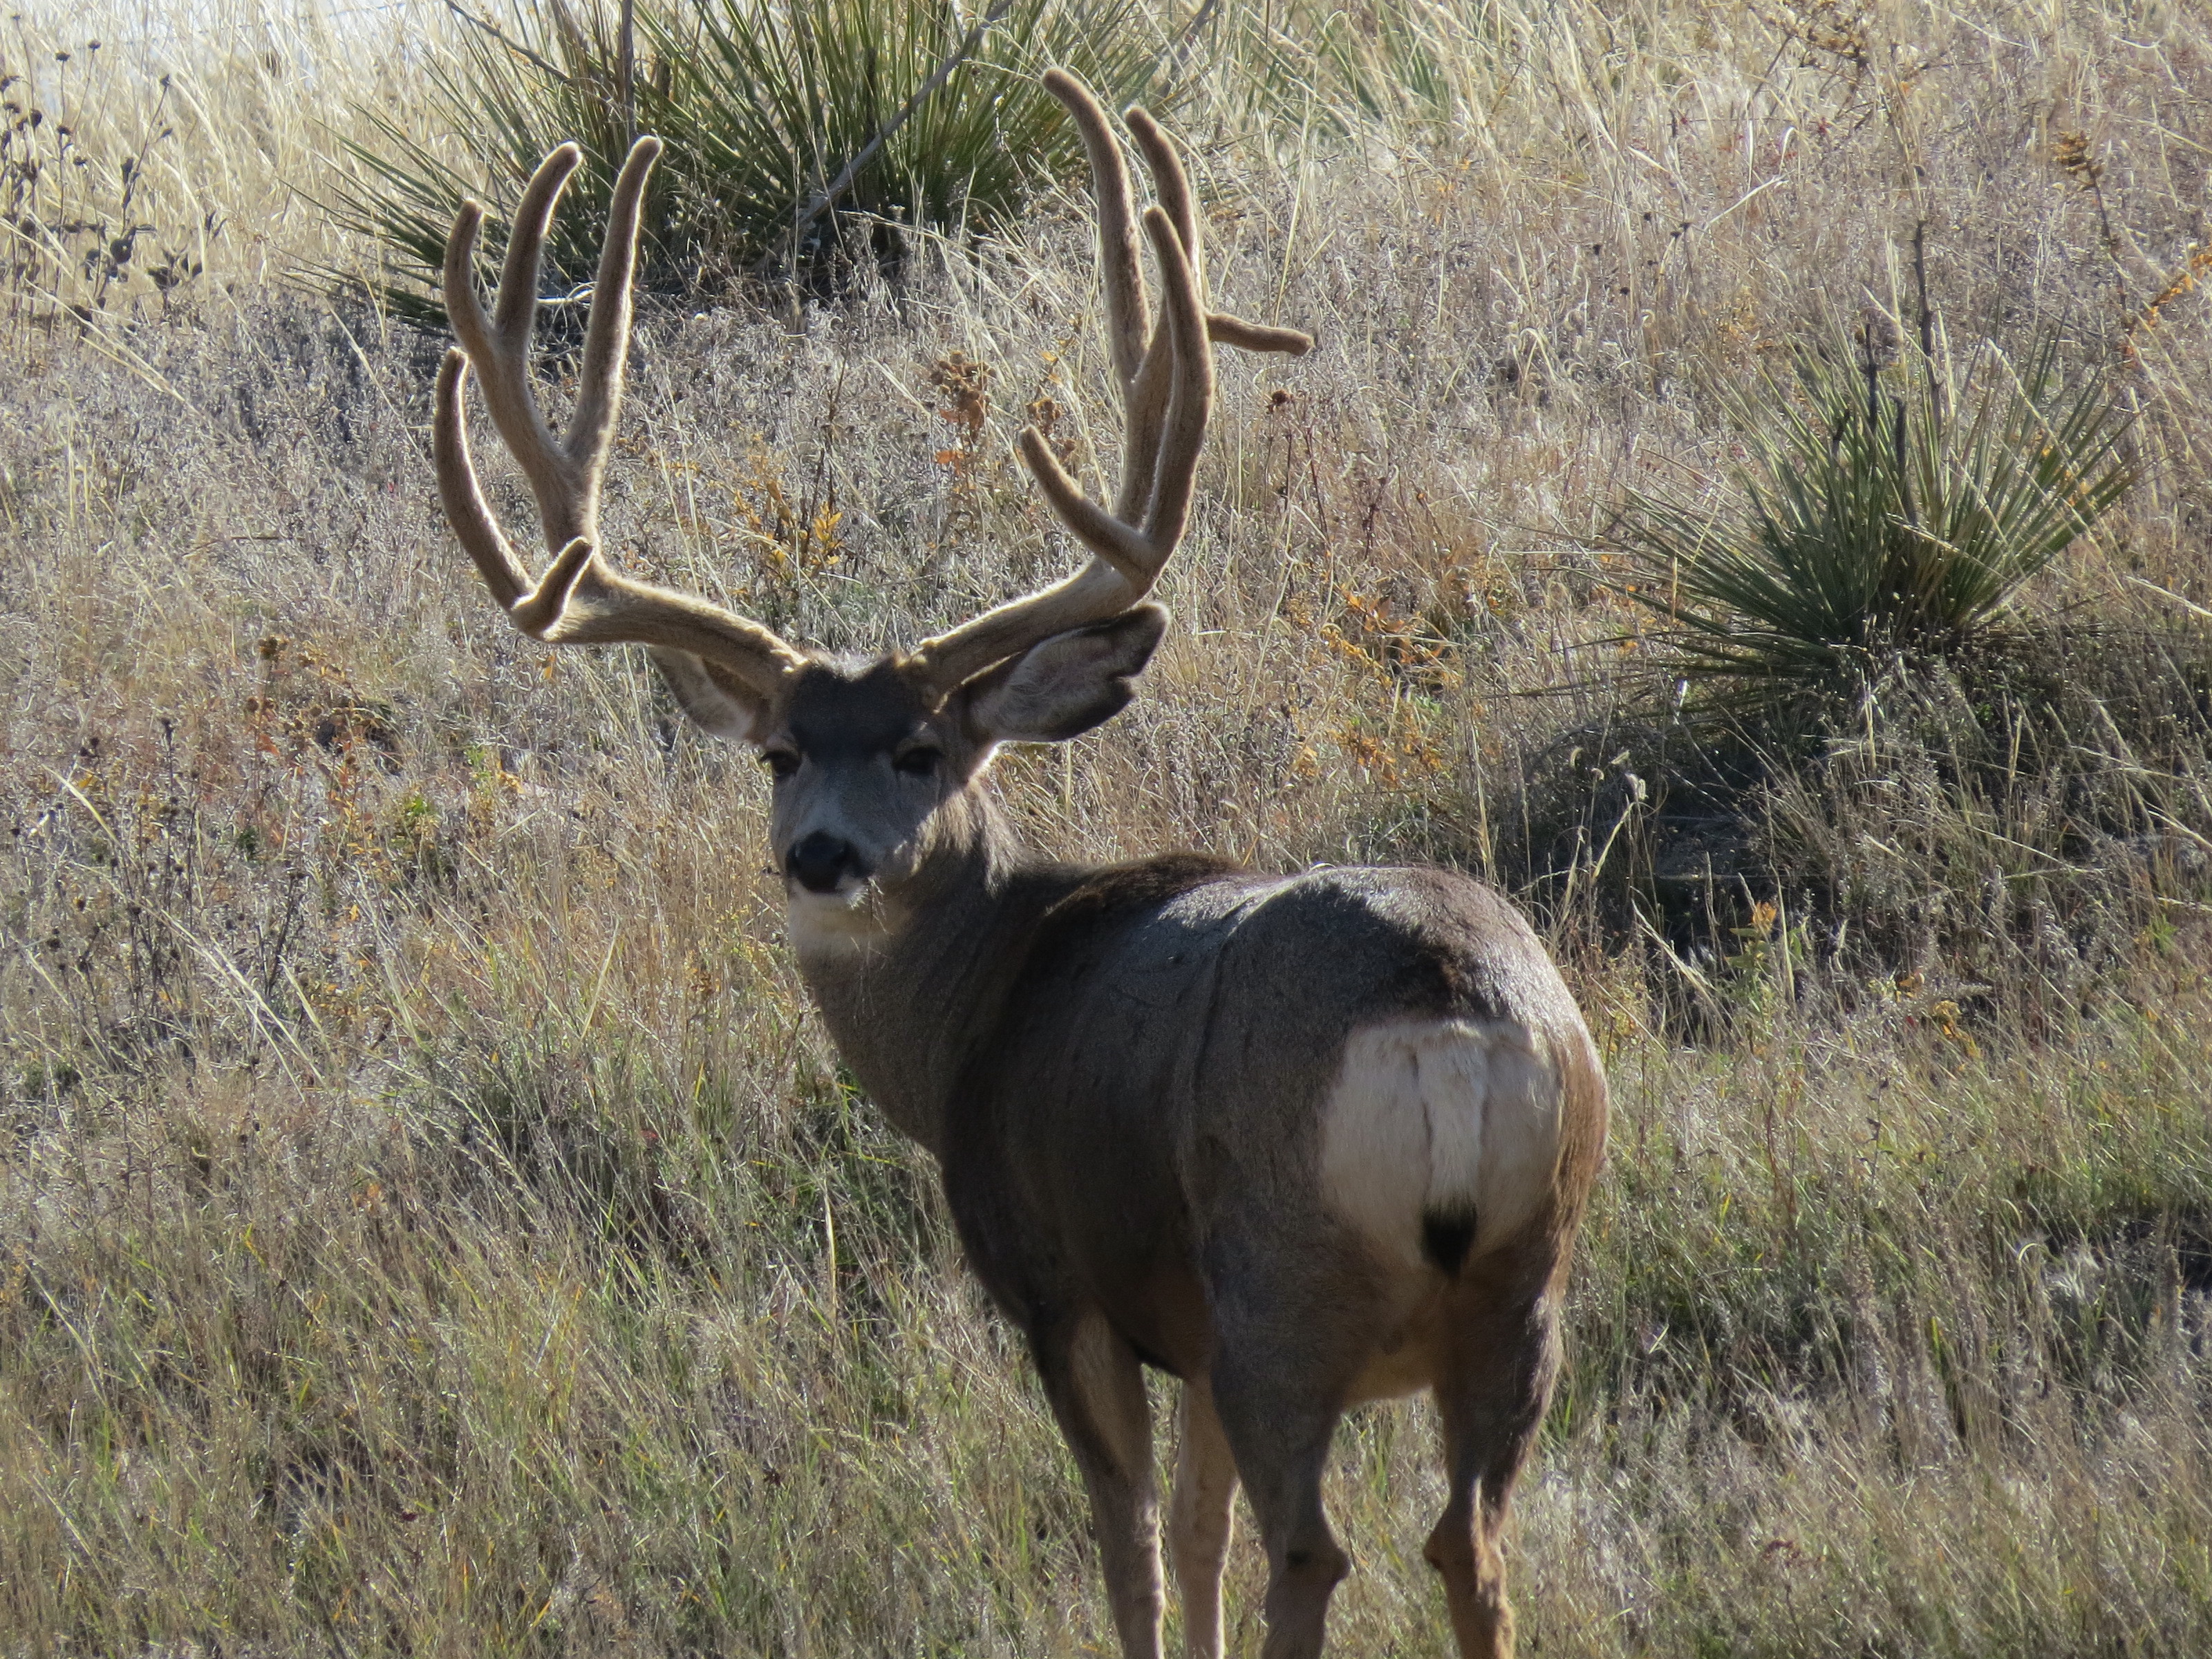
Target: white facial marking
{"points": [[1439, 1116]]}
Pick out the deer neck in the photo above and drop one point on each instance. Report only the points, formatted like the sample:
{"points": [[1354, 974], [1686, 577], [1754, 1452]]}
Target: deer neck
{"points": [[909, 1003]]}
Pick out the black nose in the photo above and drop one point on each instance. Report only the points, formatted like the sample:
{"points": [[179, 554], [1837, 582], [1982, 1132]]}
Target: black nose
{"points": [[820, 860]]}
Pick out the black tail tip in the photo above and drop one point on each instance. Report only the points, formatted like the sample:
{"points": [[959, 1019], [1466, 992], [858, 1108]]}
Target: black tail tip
{"points": [[1446, 1238]]}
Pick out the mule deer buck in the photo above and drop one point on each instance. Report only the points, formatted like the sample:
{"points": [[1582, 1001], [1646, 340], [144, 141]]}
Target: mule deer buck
{"points": [[1304, 1141]]}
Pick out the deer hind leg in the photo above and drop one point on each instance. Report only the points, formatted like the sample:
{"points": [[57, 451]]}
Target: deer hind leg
{"points": [[1097, 1389], [1492, 1397], [1280, 1435], [1199, 1519]]}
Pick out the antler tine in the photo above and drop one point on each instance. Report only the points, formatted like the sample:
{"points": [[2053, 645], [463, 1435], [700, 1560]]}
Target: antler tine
{"points": [[1165, 373], [466, 508], [606, 337], [1127, 324], [579, 601], [1170, 183], [1190, 393]]}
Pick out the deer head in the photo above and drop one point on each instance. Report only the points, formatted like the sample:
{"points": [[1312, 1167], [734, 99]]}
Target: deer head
{"points": [[877, 764]]}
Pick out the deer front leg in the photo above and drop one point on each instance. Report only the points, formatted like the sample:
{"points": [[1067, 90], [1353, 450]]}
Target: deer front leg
{"points": [[1199, 1519], [1096, 1386]]}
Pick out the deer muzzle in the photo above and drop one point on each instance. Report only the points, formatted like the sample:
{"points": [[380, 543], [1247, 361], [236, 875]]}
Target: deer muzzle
{"points": [[820, 862]]}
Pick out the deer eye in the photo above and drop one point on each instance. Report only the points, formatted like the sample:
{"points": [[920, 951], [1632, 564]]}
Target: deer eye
{"points": [[781, 761], [918, 762]]}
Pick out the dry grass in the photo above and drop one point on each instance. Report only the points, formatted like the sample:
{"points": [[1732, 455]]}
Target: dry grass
{"points": [[434, 1224]]}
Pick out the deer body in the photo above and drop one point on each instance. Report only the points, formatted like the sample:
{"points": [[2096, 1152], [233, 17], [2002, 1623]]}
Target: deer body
{"points": [[1178, 1093], [1300, 1141], [1114, 1058]]}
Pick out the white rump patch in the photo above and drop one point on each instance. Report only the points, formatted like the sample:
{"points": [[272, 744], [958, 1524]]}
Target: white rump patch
{"points": [[1439, 1118]]}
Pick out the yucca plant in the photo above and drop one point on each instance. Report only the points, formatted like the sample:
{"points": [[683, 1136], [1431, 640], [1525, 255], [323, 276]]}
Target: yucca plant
{"points": [[763, 104], [1408, 64], [1881, 517]]}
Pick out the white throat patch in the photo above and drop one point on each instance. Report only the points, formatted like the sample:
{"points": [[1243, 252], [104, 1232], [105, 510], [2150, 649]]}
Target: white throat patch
{"points": [[855, 920]]}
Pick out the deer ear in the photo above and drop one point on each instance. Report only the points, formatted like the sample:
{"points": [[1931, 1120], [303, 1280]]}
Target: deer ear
{"points": [[716, 701], [1061, 687]]}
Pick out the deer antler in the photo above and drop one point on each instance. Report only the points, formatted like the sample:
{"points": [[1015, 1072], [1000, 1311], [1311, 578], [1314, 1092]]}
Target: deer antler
{"points": [[1165, 376], [580, 601], [1162, 368]]}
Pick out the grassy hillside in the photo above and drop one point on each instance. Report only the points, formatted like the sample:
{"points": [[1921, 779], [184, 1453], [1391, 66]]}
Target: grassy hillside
{"points": [[431, 1220]]}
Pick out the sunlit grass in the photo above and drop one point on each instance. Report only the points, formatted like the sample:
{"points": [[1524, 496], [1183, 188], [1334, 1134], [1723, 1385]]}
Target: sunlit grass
{"points": [[435, 1223]]}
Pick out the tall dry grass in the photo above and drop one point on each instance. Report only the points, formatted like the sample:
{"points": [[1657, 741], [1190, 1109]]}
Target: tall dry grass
{"points": [[434, 1224]]}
